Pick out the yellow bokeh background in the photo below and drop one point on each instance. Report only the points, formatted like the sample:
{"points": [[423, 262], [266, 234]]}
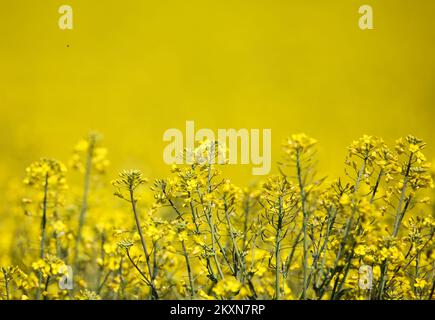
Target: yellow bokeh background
{"points": [[132, 69]]}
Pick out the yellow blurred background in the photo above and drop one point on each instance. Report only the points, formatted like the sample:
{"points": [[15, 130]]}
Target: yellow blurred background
{"points": [[132, 69]]}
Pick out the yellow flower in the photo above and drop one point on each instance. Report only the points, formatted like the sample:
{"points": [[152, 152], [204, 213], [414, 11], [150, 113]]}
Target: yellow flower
{"points": [[361, 250], [344, 199], [297, 143], [413, 148], [182, 236], [110, 248], [46, 171], [227, 286], [420, 283], [204, 295]]}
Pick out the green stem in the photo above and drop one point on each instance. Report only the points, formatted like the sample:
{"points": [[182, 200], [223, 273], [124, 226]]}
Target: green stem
{"points": [[209, 217], [47, 281], [278, 252], [5, 275], [213, 242], [144, 246], [101, 285], [84, 206], [189, 270], [397, 221], [304, 227], [417, 269], [331, 222], [233, 240], [376, 187], [102, 256], [43, 233]]}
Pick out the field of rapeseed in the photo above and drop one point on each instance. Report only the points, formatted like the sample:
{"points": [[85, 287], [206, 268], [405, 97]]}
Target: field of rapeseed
{"points": [[82, 234], [108, 218]]}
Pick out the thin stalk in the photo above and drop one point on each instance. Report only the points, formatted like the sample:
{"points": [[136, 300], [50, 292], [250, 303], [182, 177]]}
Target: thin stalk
{"points": [[189, 270], [198, 232], [399, 214], [47, 282], [233, 240], [44, 219], [6, 277], [102, 256], [417, 269], [144, 246], [209, 218], [346, 271], [84, 207], [305, 257], [278, 262], [346, 231], [121, 294], [397, 221], [376, 187], [278, 252], [43, 232], [155, 264], [304, 226], [101, 285], [331, 221], [289, 259], [213, 242], [349, 220], [245, 226], [144, 276], [185, 253]]}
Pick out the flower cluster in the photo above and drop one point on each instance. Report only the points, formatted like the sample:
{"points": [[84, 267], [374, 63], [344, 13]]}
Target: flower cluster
{"points": [[194, 234], [46, 173]]}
